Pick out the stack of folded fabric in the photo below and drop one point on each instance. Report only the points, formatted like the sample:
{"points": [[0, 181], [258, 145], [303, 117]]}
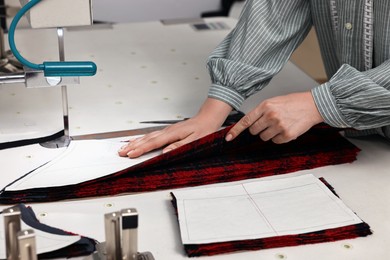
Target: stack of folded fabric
{"points": [[343, 230], [208, 160]]}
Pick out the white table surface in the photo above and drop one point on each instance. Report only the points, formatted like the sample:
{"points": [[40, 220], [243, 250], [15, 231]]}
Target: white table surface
{"points": [[150, 71]]}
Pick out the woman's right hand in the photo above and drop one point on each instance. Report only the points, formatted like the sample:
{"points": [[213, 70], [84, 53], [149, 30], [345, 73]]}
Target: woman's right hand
{"points": [[209, 119]]}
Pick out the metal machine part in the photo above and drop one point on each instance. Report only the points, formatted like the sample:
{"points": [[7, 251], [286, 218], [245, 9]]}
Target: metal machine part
{"points": [[20, 244], [62, 141], [121, 230], [27, 245], [64, 88], [48, 74], [8, 63], [35, 79], [12, 225]]}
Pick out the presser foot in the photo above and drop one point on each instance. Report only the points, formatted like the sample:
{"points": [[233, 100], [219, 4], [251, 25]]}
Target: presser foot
{"points": [[62, 141]]}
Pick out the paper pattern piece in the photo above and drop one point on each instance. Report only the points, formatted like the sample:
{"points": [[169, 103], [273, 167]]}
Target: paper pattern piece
{"points": [[208, 160], [81, 161], [51, 242], [19, 161], [259, 210]]}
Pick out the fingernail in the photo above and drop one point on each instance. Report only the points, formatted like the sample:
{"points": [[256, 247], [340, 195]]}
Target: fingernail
{"points": [[130, 153], [122, 148], [229, 137], [167, 150]]}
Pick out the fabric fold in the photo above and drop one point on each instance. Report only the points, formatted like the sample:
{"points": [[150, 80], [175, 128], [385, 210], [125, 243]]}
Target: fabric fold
{"points": [[208, 160]]}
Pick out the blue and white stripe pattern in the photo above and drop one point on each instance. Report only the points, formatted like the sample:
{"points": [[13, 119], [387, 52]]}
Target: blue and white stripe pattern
{"points": [[354, 37]]}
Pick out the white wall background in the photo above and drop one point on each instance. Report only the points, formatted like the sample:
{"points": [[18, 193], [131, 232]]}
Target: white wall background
{"points": [[145, 10]]}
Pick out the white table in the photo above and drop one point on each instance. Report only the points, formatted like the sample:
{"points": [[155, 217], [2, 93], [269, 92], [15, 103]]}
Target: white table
{"points": [[150, 71]]}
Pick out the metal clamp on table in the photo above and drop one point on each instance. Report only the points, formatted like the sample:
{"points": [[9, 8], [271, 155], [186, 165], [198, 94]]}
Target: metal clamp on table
{"points": [[121, 229], [20, 244]]}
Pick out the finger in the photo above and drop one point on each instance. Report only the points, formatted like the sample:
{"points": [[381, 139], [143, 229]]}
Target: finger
{"points": [[268, 134], [278, 135], [122, 151], [133, 143], [146, 146], [152, 144], [284, 137], [172, 147], [140, 141], [241, 125], [180, 143], [259, 126], [279, 139]]}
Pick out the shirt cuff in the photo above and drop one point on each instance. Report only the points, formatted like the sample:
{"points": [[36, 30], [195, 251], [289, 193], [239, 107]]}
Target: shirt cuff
{"points": [[326, 105], [226, 95]]}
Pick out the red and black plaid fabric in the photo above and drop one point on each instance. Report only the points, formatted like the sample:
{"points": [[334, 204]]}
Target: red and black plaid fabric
{"points": [[208, 160], [328, 235]]}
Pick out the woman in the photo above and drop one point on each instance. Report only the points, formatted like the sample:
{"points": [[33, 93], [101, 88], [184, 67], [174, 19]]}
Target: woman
{"points": [[354, 36]]}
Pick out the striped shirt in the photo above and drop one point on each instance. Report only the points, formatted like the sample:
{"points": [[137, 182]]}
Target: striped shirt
{"points": [[354, 37]]}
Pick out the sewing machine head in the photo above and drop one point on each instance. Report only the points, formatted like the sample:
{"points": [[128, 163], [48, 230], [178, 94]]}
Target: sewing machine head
{"points": [[52, 14], [59, 13], [72, 17]]}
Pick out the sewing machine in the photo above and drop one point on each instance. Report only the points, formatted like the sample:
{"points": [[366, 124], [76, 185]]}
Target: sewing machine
{"points": [[52, 14], [120, 227], [155, 70]]}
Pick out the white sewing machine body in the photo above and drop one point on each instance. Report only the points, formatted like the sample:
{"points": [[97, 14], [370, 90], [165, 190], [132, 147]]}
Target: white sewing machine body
{"points": [[60, 13]]}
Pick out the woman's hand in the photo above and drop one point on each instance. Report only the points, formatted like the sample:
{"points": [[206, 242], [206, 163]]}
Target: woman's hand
{"points": [[280, 119], [209, 119]]}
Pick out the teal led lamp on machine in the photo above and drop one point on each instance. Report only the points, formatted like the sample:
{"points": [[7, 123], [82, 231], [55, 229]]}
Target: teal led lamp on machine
{"points": [[50, 69]]}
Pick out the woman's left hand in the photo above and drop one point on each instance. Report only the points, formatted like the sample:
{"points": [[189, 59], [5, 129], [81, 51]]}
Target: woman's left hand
{"points": [[280, 119]]}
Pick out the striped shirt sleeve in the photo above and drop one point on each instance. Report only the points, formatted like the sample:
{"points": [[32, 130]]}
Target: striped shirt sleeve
{"points": [[266, 34], [351, 98]]}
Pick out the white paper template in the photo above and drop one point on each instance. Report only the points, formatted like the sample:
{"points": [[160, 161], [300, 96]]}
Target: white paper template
{"points": [[81, 161], [260, 209], [18, 161], [45, 242]]}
